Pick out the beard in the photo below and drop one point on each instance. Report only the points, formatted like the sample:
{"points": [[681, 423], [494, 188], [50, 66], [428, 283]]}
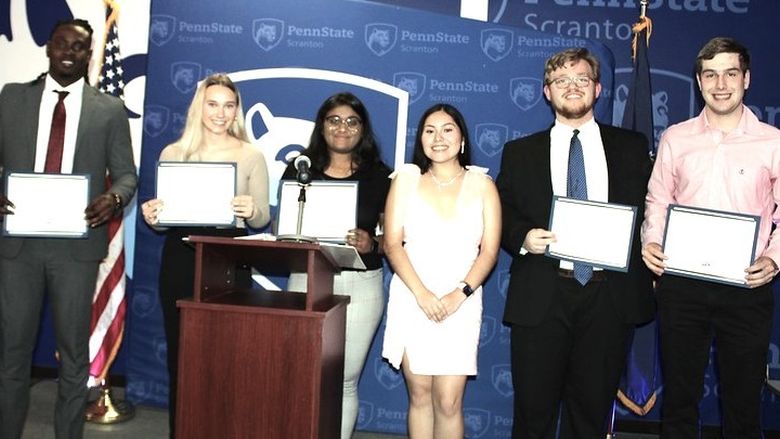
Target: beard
{"points": [[575, 111]]}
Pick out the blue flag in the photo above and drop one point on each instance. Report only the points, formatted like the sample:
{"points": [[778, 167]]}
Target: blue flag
{"points": [[638, 115], [640, 381]]}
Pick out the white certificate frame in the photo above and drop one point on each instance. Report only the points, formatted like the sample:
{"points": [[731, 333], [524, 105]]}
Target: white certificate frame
{"points": [[329, 213], [47, 205], [196, 193], [593, 232], [696, 250]]}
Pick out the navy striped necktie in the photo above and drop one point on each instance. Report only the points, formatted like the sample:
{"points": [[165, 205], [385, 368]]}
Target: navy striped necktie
{"points": [[577, 187]]}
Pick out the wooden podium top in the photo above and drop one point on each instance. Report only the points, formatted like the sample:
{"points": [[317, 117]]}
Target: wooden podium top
{"points": [[216, 260]]}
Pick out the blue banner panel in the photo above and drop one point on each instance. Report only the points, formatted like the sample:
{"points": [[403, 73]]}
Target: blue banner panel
{"points": [[286, 59]]}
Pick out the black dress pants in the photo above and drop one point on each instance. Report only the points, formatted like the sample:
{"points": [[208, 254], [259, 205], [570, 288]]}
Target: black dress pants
{"points": [[691, 315], [569, 364]]}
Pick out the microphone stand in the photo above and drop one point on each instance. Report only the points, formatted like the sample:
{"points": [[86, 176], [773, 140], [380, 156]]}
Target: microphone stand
{"points": [[297, 237]]}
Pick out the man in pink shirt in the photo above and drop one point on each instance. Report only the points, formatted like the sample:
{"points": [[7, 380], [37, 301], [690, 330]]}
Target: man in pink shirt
{"points": [[724, 159]]}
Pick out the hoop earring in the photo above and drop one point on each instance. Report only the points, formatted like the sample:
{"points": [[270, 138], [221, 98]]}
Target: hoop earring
{"points": [[462, 146]]}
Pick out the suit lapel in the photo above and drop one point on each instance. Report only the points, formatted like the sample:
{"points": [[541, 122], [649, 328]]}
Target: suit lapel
{"points": [[31, 106], [544, 165], [613, 167], [87, 114]]}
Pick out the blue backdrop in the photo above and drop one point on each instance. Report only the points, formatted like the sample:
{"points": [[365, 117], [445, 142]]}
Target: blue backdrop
{"points": [[287, 59], [489, 70]]}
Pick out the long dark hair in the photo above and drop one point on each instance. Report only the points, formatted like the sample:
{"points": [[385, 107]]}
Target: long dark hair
{"points": [[365, 153], [420, 159]]}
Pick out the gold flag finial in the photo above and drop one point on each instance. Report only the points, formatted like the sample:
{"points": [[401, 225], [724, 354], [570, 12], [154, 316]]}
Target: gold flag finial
{"points": [[644, 23]]}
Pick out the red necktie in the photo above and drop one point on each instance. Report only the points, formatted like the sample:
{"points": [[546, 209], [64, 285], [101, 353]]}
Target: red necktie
{"points": [[56, 136]]}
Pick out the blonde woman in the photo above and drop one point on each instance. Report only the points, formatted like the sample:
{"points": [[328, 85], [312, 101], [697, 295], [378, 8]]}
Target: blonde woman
{"points": [[214, 133]]}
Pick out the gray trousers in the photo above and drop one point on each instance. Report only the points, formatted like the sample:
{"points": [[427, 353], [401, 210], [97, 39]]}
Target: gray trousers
{"points": [[44, 266], [364, 313]]}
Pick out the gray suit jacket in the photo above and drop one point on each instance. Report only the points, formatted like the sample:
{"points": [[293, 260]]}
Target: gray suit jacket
{"points": [[102, 144]]}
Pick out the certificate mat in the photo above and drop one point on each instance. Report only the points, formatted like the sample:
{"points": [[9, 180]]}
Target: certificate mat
{"points": [[329, 213], [710, 245], [196, 193], [47, 205], [599, 234]]}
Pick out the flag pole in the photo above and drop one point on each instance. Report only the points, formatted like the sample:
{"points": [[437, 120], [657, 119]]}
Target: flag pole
{"points": [[643, 23], [105, 409]]}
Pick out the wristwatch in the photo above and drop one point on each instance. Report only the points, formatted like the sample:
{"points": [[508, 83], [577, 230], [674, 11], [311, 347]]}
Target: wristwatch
{"points": [[466, 288], [117, 201]]}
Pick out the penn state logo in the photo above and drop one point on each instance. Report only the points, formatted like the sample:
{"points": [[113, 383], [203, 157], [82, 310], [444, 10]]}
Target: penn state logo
{"points": [[411, 82], [365, 414], [501, 378], [161, 29], [185, 76], [155, 119], [525, 92], [497, 43], [673, 98], [381, 37], [388, 378], [491, 137], [267, 32], [283, 139], [476, 422], [487, 330]]}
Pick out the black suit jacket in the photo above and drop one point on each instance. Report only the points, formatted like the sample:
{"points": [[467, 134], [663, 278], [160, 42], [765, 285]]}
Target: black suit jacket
{"points": [[525, 187]]}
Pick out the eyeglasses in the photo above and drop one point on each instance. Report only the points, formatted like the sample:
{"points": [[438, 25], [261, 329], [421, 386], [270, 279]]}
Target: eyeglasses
{"points": [[566, 81], [352, 123]]}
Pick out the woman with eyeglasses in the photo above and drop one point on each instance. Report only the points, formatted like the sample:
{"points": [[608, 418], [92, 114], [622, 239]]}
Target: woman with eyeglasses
{"points": [[343, 148]]}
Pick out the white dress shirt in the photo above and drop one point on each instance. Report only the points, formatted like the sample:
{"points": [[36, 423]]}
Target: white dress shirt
{"points": [[72, 116], [597, 177]]}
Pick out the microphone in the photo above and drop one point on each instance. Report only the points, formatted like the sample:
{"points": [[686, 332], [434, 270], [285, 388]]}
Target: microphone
{"points": [[302, 164]]}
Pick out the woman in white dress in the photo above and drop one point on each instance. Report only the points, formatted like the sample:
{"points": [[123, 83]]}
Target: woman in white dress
{"points": [[442, 235]]}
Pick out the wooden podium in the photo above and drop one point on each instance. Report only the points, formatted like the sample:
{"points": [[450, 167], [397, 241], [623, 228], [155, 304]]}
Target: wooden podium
{"points": [[260, 364]]}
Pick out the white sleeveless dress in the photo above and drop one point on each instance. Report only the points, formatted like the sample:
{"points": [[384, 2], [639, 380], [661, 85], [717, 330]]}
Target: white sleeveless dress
{"points": [[442, 251]]}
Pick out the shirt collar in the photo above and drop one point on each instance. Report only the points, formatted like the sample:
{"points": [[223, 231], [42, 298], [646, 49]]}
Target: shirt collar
{"points": [[74, 89], [748, 122], [587, 128]]}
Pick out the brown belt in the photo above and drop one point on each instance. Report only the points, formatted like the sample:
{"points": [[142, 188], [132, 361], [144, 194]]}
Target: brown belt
{"points": [[598, 276]]}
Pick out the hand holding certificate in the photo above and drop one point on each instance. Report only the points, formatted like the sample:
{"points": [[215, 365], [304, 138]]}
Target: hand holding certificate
{"points": [[61, 216], [592, 232], [709, 245], [196, 193]]}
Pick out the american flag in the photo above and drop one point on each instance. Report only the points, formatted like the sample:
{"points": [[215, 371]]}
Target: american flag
{"points": [[108, 302]]}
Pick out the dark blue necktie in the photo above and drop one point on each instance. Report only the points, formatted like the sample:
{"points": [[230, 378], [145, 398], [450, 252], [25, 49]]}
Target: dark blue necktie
{"points": [[577, 187]]}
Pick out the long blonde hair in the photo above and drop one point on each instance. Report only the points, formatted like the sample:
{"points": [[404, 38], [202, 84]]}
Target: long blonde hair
{"points": [[192, 136]]}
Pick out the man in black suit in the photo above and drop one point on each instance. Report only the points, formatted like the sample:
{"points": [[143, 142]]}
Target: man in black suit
{"points": [[57, 124], [571, 323]]}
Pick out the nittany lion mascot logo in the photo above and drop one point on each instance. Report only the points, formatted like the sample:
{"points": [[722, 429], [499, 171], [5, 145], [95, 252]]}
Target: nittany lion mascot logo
{"points": [[267, 32], [381, 37]]}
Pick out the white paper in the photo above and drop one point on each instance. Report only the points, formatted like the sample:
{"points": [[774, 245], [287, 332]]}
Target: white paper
{"points": [[47, 205], [592, 232], [196, 193], [329, 213], [345, 256], [712, 245]]}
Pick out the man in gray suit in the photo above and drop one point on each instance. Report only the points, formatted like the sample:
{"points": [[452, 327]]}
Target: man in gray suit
{"points": [[95, 141]]}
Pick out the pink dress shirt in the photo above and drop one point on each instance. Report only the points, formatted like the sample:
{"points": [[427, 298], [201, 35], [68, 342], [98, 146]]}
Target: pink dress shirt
{"points": [[701, 166]]}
